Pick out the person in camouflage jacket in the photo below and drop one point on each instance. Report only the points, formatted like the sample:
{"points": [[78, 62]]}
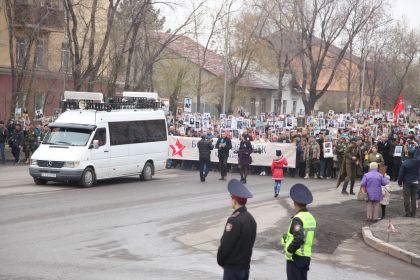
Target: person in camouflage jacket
{"points": [[30, 143]]}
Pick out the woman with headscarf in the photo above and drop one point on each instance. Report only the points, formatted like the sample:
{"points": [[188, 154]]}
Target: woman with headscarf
{"points": [[372, 183]]}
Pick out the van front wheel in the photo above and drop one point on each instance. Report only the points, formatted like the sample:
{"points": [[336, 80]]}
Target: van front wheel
{"points": [[88, 178], [147, 173], [40, 182]]}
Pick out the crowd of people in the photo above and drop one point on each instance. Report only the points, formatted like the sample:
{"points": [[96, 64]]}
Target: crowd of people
{"points": [[328, 146], [20, 138], [381, 150], [343, 147]]}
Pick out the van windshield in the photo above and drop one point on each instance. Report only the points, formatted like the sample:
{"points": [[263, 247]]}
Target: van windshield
{"points": [[67, 136]]}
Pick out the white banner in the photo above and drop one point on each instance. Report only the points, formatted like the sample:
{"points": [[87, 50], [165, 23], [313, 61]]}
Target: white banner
{"points": [[185, 148]]}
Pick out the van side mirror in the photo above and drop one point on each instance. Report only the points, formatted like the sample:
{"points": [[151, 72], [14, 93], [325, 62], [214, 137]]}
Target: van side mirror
{"points": [[95, 144]]}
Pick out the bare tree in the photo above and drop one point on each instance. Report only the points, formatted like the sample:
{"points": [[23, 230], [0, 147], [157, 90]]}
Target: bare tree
{"points": [[245, 43], [392, 56], [203, 50], [23, 24], [322, 24], [87, 47], [404, 48], [149, 48], [279, 36], [375, 63]]}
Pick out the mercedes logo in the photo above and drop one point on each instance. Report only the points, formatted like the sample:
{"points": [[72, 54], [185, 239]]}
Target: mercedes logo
{"points": [[49, 164]]}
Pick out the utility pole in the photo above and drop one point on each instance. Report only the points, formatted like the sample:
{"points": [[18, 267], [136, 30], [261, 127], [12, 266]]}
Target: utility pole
{"points": [[226, 58]]}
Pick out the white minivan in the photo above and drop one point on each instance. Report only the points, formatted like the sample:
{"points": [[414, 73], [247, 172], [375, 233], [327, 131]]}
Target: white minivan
{"points": [[94, 140]]}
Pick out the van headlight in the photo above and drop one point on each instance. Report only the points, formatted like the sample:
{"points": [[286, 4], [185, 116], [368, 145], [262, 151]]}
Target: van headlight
{"points": [[71, 164], [34, 162]]}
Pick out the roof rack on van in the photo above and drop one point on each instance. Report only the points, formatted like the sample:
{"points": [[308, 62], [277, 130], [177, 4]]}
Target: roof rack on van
{"points": [[129, 100], [79, 95], [148, 95]]}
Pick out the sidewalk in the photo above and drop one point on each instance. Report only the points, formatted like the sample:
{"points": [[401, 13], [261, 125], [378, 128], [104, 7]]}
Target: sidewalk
{"points": [[402, 242]]}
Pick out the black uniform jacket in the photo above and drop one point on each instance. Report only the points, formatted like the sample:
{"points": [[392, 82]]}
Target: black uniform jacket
{"points": [[224, 151], [237, 241], [204, 148]]}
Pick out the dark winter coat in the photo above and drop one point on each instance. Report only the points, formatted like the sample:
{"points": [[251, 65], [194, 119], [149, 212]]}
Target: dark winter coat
{"points": [[204, 148], [223, 152], [244, 153]]}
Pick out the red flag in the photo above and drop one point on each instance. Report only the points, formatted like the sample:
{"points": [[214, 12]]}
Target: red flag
{"points": [[398, 108]]}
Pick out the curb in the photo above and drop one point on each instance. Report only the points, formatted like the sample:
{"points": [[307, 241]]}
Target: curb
{"points": [[389, 249]]}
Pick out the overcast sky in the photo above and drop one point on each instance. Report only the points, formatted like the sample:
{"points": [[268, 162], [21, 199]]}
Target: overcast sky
{"points": [[410, 9]]}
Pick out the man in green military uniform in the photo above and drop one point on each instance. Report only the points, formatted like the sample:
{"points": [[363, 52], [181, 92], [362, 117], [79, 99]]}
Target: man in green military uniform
{"points": [[298, 240], [30, 142], [340, 149], [311, 156], [352, 161]]}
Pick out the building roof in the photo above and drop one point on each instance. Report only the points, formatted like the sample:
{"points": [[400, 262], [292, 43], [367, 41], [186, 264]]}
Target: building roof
{"points": [[214, 63]]}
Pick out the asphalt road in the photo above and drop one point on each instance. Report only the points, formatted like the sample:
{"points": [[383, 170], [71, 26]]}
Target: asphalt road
{"points": [[169, 228]]}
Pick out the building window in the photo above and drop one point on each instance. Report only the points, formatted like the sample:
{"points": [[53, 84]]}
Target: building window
{"points": [[262, 105], [294, 107], [252, 105], [65, 56], [40, 54], [277, 106], [284, 106], [20, 51]]}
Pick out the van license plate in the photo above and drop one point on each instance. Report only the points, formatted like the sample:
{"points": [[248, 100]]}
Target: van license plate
{"points": [[48, 175]]}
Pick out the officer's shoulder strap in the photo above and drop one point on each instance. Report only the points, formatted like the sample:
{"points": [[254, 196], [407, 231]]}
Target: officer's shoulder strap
{"points": [[236, 214]]}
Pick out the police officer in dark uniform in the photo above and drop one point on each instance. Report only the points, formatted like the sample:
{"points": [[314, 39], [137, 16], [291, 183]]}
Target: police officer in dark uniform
{"points": [[235, 249], [298, 240]]}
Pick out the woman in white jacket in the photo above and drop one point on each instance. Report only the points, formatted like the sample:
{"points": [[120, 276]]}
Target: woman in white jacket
{"points": [[386, 193]]}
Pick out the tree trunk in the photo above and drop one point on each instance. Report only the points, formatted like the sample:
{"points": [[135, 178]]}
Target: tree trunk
{"points": [[310, 104], [349, 78], [280, 88], [130, 56], [199, 90], [232, 97], [373, 90], [15, 94]]}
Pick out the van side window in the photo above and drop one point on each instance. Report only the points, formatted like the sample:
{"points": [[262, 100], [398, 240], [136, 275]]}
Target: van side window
{"points": [[133, 132], [100, 135]]}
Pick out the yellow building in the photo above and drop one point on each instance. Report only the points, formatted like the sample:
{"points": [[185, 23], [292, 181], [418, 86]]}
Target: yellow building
{"points": [[41, 52]]}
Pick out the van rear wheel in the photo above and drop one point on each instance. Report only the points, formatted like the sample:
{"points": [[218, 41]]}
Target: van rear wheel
{"points": [[147, 173], [88, 178], [40, 182]]}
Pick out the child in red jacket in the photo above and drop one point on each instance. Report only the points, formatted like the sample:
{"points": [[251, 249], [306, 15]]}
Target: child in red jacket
{"points": [[277, 171]]}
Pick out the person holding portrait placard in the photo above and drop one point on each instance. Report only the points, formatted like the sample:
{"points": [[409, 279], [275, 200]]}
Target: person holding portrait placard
{"points": [[328, 157], [398, 156]]}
